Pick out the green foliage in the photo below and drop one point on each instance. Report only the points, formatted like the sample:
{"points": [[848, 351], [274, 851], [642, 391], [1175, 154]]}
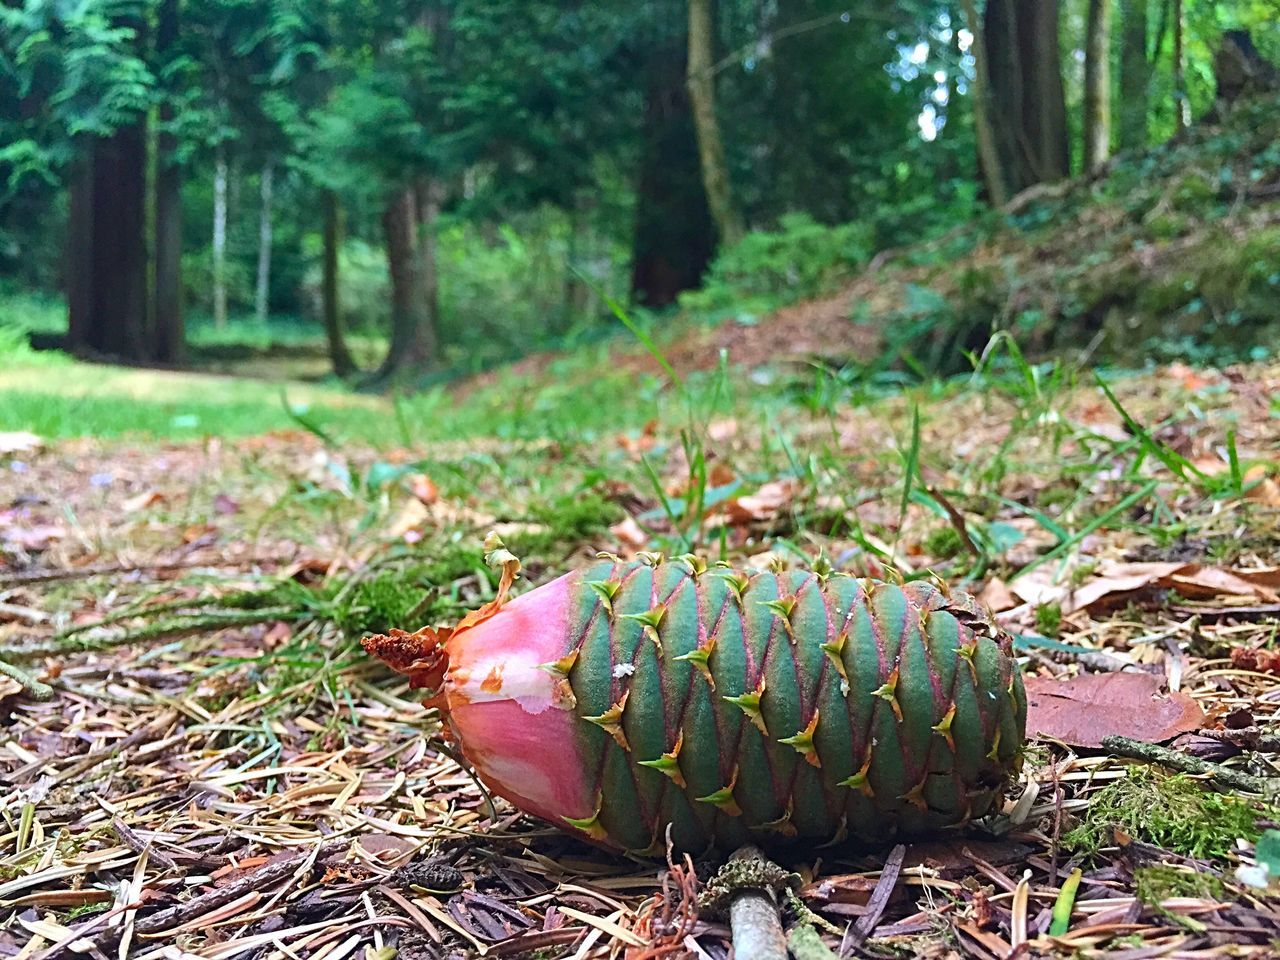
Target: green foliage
{"points": [[802, 258], [1173, 812]]}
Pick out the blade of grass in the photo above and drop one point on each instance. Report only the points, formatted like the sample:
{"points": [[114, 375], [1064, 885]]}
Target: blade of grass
{"points": [[912, 463], [1177, 464]]}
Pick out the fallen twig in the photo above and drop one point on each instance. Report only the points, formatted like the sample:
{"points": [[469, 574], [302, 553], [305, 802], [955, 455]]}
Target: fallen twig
{"points": [[37, 689], [1223, 776]]}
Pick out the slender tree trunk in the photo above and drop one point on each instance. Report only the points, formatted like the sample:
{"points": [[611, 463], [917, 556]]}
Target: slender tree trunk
{"points": [[220, 176], [1135, 74], [170, 335], [988, 154], [408, 348], [429, 198], [1181, 107], [1029, 110], [702, 95], [262, 292], [1097, 85], [331, 305]]}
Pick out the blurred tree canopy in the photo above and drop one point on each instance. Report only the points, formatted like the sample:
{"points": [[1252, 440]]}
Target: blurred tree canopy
{"points": [[506, 157]]}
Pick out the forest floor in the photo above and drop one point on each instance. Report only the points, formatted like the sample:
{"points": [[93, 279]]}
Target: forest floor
{"points": [[220, 772]]}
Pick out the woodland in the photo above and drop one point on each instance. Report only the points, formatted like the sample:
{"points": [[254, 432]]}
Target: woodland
{"points": [[678, 478]]}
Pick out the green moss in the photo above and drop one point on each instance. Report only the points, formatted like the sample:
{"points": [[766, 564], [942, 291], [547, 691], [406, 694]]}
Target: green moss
{"points": [[1161, 882], [1175, 813], [943, 543], [1048, 619]]}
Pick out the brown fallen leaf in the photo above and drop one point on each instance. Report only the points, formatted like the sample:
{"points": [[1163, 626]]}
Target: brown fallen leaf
{"points": [[409, 521], [765, 504], [629, 535], [997, 596], [424, 488], [1085, 709]]}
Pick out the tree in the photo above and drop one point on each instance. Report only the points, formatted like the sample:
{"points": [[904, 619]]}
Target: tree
{"points": [[702, 94], [993, 171], [1135, 74], [331, 306], [1024, 62], [1181, 105], [169, 344], [262, 290], [1097, 85]]}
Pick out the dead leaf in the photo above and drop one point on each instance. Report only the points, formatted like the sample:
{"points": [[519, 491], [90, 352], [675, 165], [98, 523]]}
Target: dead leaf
{"points": [[720, 430], [997, 596], [765, 504], [412, 516], [422, 487], [148, 498], [1083, 710], [1116, 583], [629, 535], [224, 505]]}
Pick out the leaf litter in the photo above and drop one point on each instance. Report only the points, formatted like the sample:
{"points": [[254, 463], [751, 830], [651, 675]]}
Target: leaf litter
{"points": [[256, 789]]}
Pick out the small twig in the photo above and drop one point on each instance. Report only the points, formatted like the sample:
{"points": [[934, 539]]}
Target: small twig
{"points": [[260, 879], [1224, 777], [109, 569], [37, 689]]}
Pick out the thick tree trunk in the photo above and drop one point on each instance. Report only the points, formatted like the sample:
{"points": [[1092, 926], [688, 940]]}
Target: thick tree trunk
{"points": [[331, 305], [410, 347], [993, 172], [1135, 74], [674, 235], [1181, 106], [109, 317], [1029, 106], [1097, 85], [262, 290], [169, 335], [702, 94], [220, 175]]}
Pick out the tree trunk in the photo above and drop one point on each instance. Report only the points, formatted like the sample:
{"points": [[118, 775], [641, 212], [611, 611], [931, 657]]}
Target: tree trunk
{"points": [[989, 156], [1135, 74], [429, 197], [674, 235], [79, 259], [262, 292], [331, 305], [1181, 107], [1097, 85], [170, 335], [108, 313], [220, 237], [410, 344], [702, 94], [1029, 106]]}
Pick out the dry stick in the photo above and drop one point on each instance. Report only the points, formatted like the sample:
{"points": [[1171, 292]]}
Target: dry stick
{"points": [[1248, 738], [255, 880], [1154, 753], [879, 899], [754, 917]]}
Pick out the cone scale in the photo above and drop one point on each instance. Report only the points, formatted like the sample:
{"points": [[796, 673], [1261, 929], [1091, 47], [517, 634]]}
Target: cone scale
{"points": [[763, 708]]}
